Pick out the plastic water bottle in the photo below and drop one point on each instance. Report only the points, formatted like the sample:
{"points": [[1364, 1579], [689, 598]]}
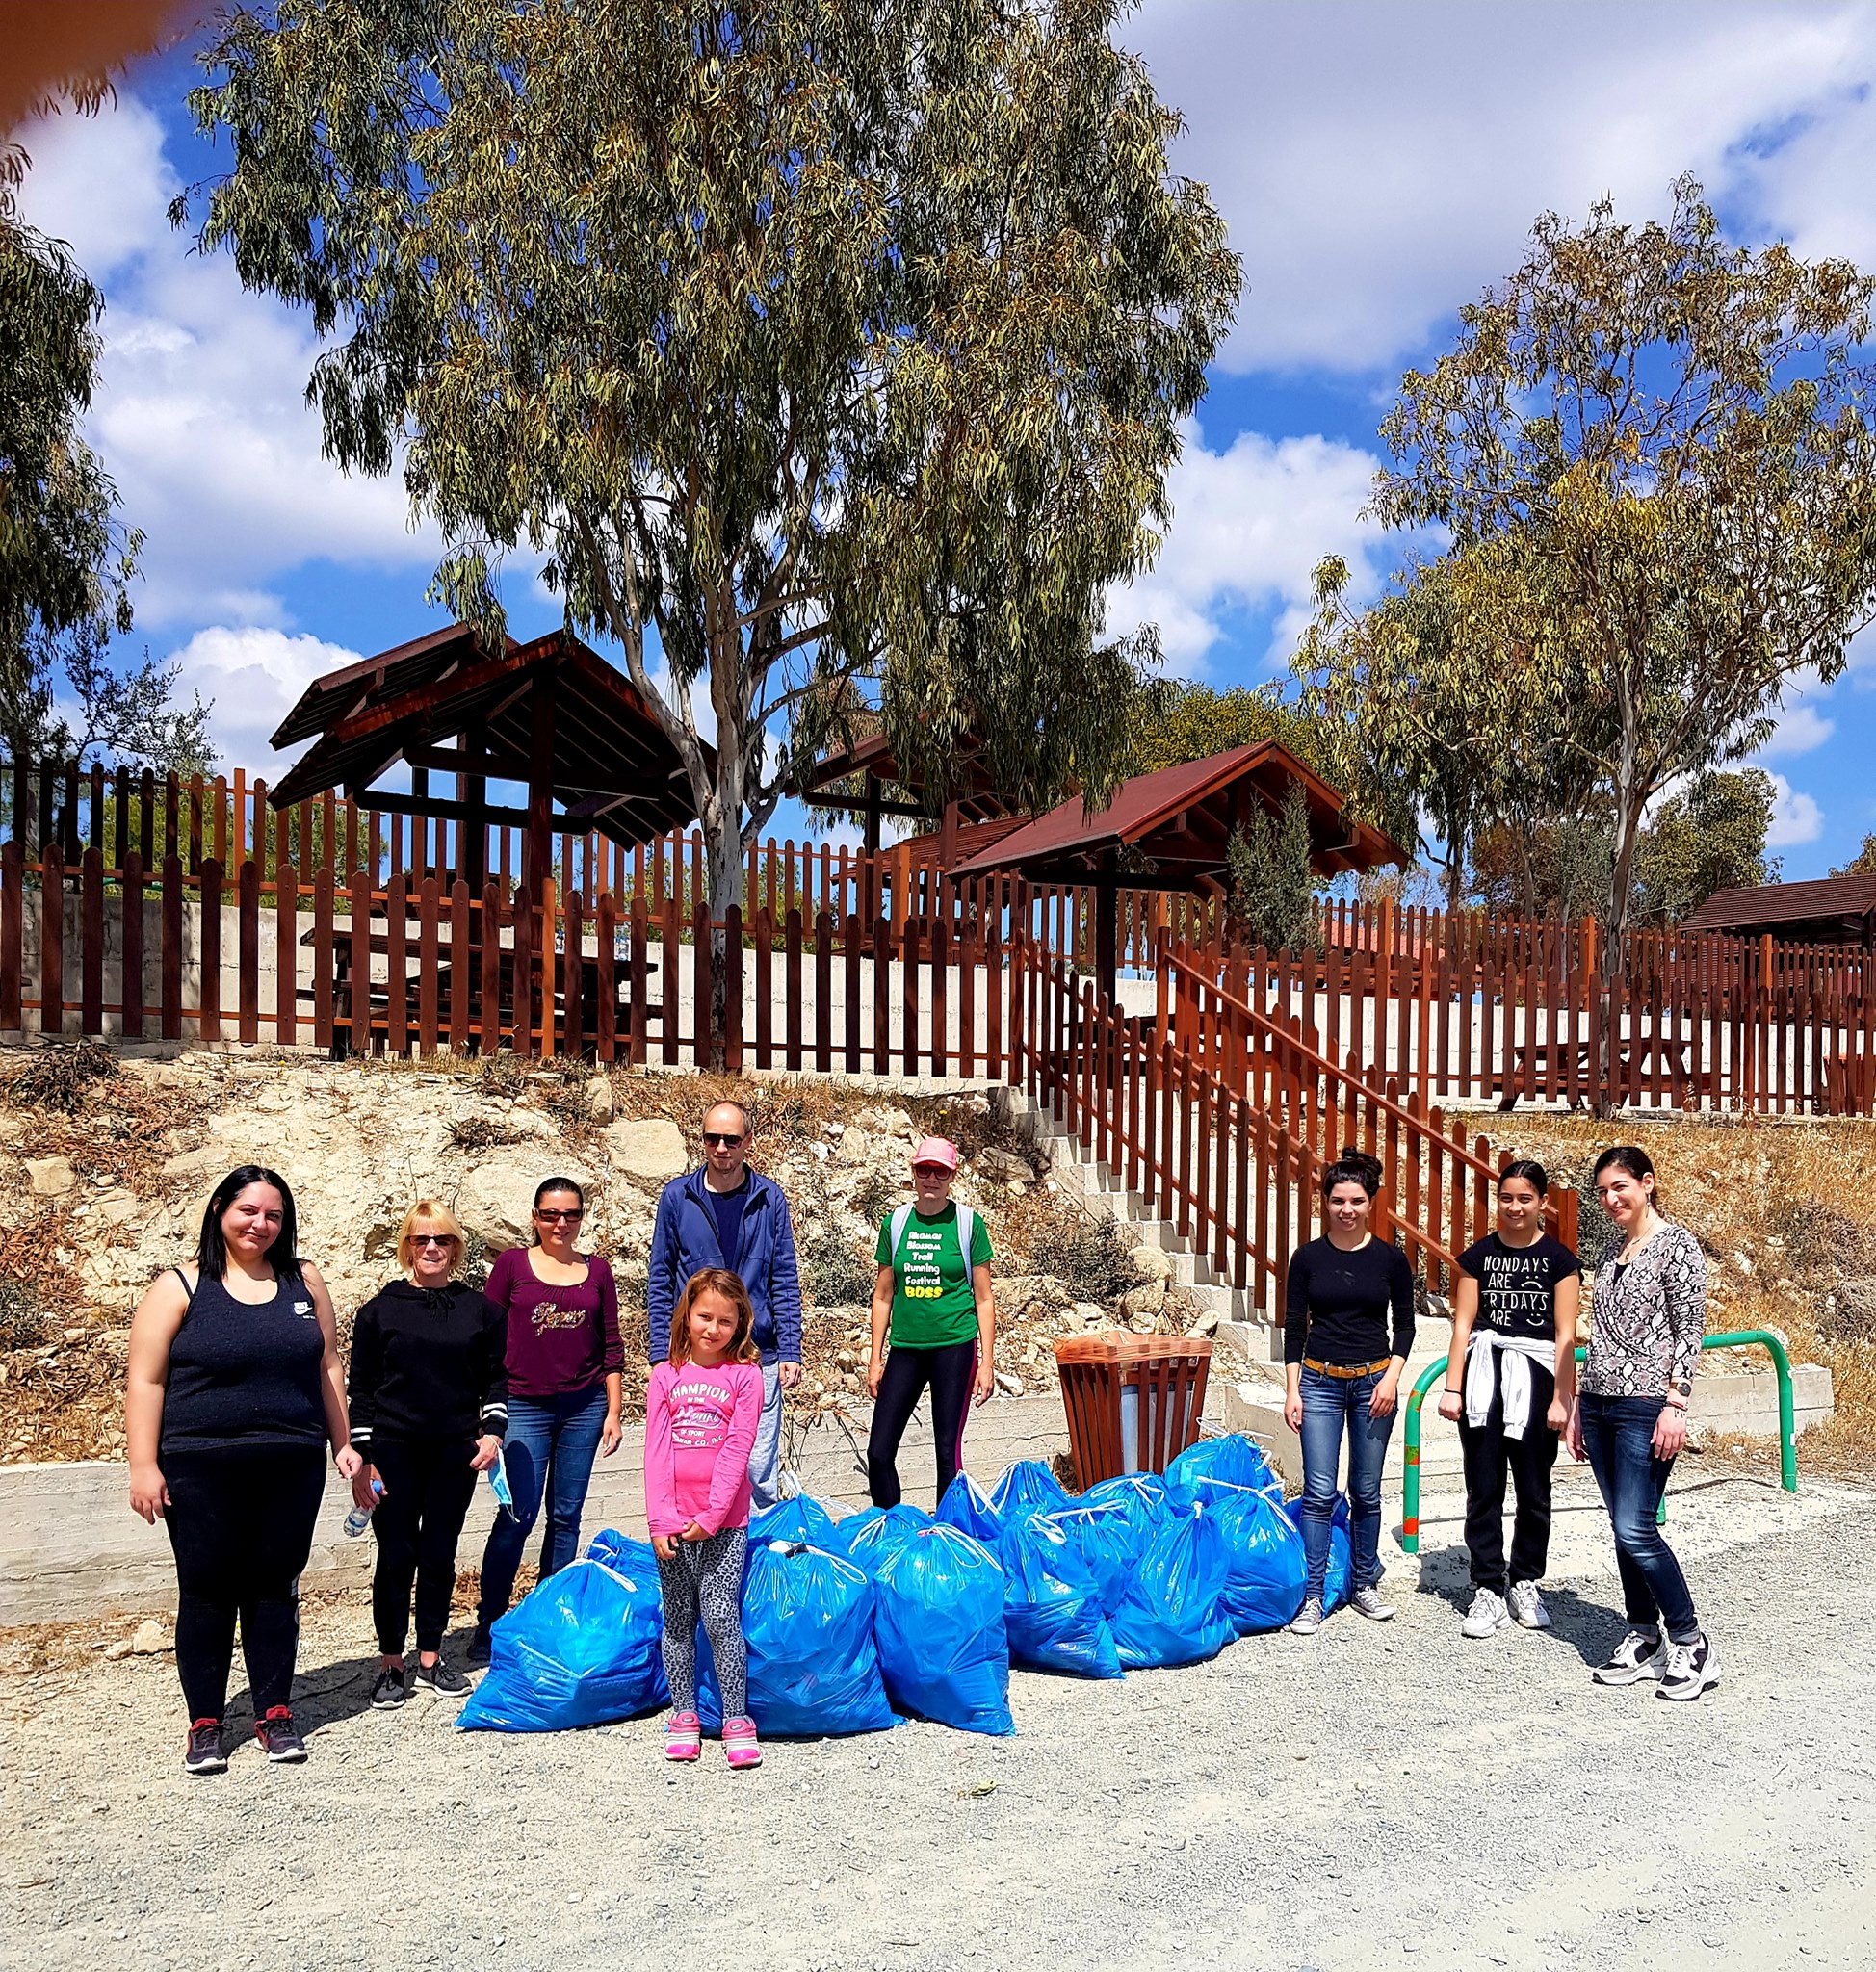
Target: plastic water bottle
{"points": [[360, 1518]]}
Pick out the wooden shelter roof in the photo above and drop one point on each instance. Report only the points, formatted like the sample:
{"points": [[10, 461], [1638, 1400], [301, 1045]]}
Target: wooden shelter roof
{"points": [[612, 768], [1176, 824], [977, 798], [1830, 910]]}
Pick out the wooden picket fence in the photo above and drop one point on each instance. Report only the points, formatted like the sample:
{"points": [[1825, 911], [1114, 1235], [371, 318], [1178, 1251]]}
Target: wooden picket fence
{"points": [[1224, 1120]]}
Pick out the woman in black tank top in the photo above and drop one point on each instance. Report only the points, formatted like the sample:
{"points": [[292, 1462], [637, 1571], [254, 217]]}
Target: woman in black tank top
{"points": [[233, 1392]]}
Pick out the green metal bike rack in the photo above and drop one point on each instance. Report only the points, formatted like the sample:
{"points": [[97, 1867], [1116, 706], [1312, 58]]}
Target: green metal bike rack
{"points": [[1735, 1339]]}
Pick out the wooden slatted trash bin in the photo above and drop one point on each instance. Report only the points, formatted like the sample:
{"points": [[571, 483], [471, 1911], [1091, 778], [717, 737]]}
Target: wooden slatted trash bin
{"points": [[1134, 1402]]}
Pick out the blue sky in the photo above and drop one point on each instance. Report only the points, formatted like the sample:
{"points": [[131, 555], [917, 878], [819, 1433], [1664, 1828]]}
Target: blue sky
{"points": [[1377, 165]]}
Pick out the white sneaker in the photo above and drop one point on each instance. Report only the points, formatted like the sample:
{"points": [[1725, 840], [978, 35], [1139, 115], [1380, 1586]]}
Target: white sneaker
{"points": [[1486, 1616], [1527, 1606], [1691, 1669], [1368, 1602], [1638, 1656], [1308, 1620]]}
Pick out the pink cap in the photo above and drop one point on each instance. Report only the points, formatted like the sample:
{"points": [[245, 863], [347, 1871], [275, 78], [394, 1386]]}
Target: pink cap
{"points": [[936, 1150]]}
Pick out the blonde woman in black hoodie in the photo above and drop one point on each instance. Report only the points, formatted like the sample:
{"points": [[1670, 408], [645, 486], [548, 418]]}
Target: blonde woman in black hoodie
{"points": [[429, 1406]]}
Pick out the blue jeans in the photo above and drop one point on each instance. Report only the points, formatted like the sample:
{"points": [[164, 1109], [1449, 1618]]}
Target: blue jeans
{"points": [[765, 1454], [1618, 1438], [1331, 1405], [550, 1448]]}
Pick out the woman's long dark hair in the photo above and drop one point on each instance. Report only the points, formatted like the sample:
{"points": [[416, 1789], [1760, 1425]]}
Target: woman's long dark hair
{"points": [[1354, 1167], [212, 1249]]}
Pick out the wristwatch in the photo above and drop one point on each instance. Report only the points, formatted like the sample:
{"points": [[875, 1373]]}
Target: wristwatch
{"points": [[1680, 1394]]}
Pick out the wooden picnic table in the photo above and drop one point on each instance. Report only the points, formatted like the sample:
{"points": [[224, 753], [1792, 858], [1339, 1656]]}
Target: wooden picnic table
{"points": [[1533, 1061]]}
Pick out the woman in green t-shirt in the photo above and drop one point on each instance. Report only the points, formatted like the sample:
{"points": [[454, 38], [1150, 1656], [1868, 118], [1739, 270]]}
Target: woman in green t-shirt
{"points": [[942, 1317]]}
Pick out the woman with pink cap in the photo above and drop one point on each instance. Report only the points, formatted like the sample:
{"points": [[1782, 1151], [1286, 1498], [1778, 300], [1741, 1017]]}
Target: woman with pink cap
{"points": [[933, 1297]]}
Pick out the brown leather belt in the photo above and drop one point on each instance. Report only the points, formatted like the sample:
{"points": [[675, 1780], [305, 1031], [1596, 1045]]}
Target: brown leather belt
{"points": [[1345, 1372]]}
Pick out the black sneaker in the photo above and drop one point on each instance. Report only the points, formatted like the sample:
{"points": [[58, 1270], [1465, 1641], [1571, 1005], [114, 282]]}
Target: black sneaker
{"points": [[1638, 1656], [1691, 1669], [480, 1647], [280, 1738], [388, 1692], [443, 1678], [208, 1751]]}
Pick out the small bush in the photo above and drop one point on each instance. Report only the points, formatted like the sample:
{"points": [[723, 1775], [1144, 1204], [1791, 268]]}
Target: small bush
{"points": [[1086, 1253], [479, 1133], [475, 1268], [833, 1274], [503, 1072], [22, 1325], [55, 1077], [875, 1195]]}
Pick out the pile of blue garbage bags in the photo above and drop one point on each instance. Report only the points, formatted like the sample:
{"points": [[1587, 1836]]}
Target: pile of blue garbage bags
{"points": [[853, 1625]]}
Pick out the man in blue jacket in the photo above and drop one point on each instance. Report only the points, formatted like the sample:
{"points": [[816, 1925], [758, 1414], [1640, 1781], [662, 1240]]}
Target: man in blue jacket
{"points": [[727, 1215]]}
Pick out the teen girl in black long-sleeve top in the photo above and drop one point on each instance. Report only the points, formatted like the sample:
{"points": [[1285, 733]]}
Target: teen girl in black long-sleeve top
{"points": [[428, 1410]]}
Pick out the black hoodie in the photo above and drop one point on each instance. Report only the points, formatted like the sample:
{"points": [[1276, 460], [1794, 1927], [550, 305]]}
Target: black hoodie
{"points": [[426, 1362]]}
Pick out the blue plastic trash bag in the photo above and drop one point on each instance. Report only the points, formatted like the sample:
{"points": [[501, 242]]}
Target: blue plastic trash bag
{"points": [[1268, 1568], [1235, 1458], [814, 1671], [1173, 1609], [583, 1650], [1341, 1555], [866, 1539], [801, 1518], [1028, 1487], [620, 1552], [1051, 1602], [1140, 1495], [938, 1619], [967, 1507], [1108, 1540]]}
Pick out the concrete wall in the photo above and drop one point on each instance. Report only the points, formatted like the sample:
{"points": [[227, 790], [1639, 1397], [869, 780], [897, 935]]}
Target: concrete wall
{"points": [[70, 1548]]}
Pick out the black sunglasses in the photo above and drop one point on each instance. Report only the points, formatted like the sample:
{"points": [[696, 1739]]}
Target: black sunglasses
{"points": [[721, 1140], [559, 1212], [432, 1239]]}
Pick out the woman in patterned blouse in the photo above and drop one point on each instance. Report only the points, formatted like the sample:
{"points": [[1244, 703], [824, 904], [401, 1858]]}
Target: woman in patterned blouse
{"points": [[1647, 1317]]}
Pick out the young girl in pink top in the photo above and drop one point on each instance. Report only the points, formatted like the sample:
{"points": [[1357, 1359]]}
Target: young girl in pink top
{"points": [[700, 1426]]}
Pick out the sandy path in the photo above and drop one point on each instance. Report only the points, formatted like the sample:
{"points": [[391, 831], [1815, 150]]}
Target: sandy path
{"points": [[1385, 1796]]}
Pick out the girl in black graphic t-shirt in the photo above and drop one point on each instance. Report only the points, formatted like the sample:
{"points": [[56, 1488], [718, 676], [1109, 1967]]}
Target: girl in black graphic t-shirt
{"points": [[1510, 1378]]}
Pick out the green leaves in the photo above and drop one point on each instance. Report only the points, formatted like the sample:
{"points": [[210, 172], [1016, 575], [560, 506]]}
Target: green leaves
{"points": [[826, 342]]}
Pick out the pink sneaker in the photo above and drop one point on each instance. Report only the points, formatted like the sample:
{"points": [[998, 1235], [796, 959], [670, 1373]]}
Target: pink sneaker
{"points": [[683, 1737], [740, 1746]]}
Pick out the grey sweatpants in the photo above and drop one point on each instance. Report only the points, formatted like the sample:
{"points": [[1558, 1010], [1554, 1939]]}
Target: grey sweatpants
{"points": [[704, 1578]]}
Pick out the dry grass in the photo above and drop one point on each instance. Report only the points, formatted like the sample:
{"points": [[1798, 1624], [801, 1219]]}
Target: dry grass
{"points": [[1785, 1211]]}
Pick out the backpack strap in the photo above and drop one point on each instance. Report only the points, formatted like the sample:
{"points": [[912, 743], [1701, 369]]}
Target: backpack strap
{"points": [[900, 1215], [967, 1233]]}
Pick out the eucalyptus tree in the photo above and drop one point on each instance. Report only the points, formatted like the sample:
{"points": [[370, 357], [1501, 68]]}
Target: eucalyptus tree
{"points": [[813, 344], [1653, 456]]}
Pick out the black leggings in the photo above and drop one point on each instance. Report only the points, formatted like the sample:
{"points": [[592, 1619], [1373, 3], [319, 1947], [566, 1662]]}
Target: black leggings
{"points": [[428, 1488], [241, 1526], [951, 1371]]}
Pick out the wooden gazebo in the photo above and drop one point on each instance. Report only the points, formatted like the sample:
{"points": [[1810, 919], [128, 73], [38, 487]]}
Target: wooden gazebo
{"points": [[1169, 831], [550, 715]]}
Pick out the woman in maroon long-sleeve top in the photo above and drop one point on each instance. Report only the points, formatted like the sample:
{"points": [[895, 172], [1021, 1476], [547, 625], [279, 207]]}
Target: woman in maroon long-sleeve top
{"points": [[565, 1365]]}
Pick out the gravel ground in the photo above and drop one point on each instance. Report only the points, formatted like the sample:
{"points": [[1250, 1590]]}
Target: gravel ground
{"points": [[1381, 1796]]}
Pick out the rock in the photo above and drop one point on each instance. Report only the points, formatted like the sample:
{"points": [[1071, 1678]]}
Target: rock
{"points": [[497, 1204], [115, 1345], [1745, 1266], [993, 1161], [1151, 1263], [1204, 1323], [117, 1207], [854, 1147], [647, 1147], [113, 1652], [1149, 1298], [50, 1176], [599, 1100], [211, 1158], [151, 1639], [1089, 1313], [1010, 1385], [1017, 1187]]}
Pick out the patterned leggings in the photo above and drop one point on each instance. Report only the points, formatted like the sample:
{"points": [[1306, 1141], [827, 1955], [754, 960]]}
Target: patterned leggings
{"points": [[705, 1578]]}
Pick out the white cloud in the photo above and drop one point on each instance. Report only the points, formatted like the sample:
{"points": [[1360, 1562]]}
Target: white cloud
{"points": [[250, 678], [1800, 730], [1249, 526], [1378, 165], [201, 412], [1796, 817]]}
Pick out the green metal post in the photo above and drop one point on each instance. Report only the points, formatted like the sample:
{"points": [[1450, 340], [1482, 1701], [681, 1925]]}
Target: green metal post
{"points": [[1732, 1339]]}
